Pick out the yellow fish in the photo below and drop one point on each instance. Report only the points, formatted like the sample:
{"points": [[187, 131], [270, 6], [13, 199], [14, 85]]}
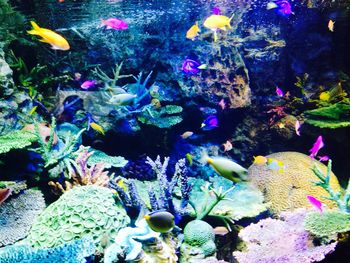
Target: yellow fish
{"points": [[216, 22], [193, 32], [331, 25], [259, 159], [48, 36], [325, 96], [97, 127], [33, 110]]}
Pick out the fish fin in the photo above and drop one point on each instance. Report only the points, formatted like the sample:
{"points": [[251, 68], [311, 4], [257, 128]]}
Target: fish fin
{"points": [[52, 46], [229, 21], [223, 28], [204, 157], [33, 32], [215, 36], [35, 26]]}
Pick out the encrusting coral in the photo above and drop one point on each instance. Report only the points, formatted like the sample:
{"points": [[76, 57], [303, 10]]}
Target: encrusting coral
{"points": [[281, 240], [75, 251], [198, 245], [287, 190], [83, 174], [17, 215], [82, 211]]}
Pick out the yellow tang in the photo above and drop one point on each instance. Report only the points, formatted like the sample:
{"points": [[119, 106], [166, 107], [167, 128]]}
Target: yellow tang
{"points": [[48, 36], [193, 32], [97, 127], [215, 22]]}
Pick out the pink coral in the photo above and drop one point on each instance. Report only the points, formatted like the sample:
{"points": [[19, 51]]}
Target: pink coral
{"points": [[281, 240]]}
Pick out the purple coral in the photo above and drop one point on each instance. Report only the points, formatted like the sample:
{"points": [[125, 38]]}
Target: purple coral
{"points": [[281, 240]]}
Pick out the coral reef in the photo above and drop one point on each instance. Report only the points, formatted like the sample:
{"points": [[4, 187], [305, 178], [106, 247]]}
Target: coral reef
{"points": [[141, 244], [108, 161], [139, 169], [239, 201], [6, 81], [16, 140], [342, 199], [82, 211], [83, 174], [266, 241], [16, 187], [287, 190], [328, 223], [331, 117], [17, 215], [198, 245], [164, 117], [11, 22], [75, 251]]}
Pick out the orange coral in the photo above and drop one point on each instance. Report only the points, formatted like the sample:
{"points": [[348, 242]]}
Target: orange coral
{"points": [[288, 190]]}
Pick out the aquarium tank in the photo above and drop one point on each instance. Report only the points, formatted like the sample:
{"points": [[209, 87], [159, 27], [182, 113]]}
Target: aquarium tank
{"points": [[164, 131]]}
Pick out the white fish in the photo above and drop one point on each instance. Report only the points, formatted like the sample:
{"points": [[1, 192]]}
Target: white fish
{"points": [[122, 99]]}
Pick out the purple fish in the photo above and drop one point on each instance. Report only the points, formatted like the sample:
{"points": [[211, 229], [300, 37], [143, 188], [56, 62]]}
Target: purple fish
{"points": [[279, 92], [284, 7], [190, 66], [115, 23], [315, 202], [216, 10], [211, 122], [316, 147], [88, 84], [324, 158]]}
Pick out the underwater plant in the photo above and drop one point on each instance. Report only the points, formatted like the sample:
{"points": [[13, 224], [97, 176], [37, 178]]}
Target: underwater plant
{"points": [[17, 215], [16, 140], [75, 251], [329, 117], [82, 211], [266, 241], [110, 82]]}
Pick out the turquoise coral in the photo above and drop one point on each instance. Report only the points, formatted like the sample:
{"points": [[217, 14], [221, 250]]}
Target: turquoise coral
{"points": [[81, 211], [74, 251], [164, 117], [107, 160]]}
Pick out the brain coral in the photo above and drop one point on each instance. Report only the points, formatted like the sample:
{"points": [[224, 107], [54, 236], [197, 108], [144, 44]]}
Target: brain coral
{"points": [[85, 210], [287, 190]]}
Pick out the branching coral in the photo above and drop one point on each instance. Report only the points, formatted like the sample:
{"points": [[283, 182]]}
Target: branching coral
{"points": [[17, 215], [266, 241], [75, 251], [60, 160], [111, 82], [341, 199], [83, 174]]}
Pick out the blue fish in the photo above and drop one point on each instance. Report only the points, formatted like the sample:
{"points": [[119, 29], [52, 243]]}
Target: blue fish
{"points": [[211, 122], [283, 7], [192, 67]]}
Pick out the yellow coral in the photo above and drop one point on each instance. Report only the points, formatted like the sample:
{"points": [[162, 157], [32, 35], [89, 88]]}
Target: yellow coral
{"points": [[288, 190]]}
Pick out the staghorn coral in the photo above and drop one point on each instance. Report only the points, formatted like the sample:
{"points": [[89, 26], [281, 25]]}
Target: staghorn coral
{"points": [[328, 223], [342, 199], [17, 215], [287, 190], [16, 140], [82, 211], [266, 241], [74, 251], [83, 174], [141, 244], [198, 245]]}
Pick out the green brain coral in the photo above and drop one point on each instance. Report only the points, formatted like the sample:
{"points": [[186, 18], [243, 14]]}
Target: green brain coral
{"points": [[86, 210], [198, 232], [327, 223]]}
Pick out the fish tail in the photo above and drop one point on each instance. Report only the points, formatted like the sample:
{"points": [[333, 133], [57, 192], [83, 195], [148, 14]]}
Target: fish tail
{"points": [[35, 30], [215, 36], [204, 157]]}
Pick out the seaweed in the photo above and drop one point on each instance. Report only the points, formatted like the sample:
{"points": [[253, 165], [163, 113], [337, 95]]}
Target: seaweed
{"points": [[331, 117]]}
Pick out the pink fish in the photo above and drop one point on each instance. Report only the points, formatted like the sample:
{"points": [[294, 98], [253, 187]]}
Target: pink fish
{"points": [[115, 23], [297, 127], [315, 202], [316, 147], [279, 92], [222, 104], [88, 84], [324, 158]]}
